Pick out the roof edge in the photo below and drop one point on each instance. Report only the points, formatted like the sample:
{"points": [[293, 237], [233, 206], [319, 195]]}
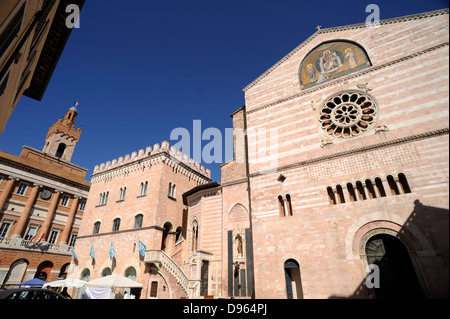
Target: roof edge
{"points": [[341, 28]]}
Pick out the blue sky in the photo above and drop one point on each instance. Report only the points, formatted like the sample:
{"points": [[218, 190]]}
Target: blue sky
{"points": [[143, 68]]}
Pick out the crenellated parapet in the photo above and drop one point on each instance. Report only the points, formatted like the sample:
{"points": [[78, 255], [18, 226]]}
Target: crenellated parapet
{"points": [[145, 158]]}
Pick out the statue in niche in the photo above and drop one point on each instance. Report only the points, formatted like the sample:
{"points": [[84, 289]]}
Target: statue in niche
{"points": [[239, 245]]}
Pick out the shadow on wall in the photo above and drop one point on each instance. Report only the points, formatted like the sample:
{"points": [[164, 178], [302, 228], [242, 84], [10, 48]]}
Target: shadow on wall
{"points": [[407, 270]]}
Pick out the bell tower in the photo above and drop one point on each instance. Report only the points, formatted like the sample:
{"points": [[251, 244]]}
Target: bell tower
{"points": [[63, 135]]}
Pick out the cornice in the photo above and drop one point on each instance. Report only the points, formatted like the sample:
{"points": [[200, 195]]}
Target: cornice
{"points": [[412, 138], [344, 28]]}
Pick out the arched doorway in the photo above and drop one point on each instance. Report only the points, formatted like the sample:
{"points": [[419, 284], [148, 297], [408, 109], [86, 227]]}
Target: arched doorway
{"points": [[398, 278], [85, 276], [293, 279], [44, 270]]}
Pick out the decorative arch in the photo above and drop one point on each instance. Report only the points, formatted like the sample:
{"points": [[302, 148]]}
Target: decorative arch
{"points": [[16, 273], [368, 225], [330, 60]]}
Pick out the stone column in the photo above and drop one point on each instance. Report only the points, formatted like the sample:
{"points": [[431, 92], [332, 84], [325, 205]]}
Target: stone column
{"points": [[64, 239], [18, 231], [48, 218], [5, 194]]}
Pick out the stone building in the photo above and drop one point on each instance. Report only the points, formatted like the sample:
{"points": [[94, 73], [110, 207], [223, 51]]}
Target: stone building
{"points": [[340, 179], [33, 35], [355, 171], [137, 200], [42, 199]]}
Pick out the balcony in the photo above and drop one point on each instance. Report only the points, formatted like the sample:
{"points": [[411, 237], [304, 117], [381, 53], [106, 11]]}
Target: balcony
{"points": [[28, 245]]}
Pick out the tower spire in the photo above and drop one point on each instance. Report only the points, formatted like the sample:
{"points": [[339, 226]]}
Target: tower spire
{"points": [[63, 135]]}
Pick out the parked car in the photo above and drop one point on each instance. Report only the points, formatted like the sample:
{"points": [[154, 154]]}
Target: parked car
{"points": [[30, 293]]}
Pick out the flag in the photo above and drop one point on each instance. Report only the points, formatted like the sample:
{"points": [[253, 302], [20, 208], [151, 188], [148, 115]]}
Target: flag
{"points": [[42, 237], [142, 249], [112, 253], [73, 254], [92, 252]]}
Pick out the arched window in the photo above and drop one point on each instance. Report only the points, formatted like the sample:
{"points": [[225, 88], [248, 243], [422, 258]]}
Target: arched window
{"points": [[16, 273], [96, 228], [106, 272], [281, 206], [340, 194], [404, 183], [138, 221], [352, 193], [370, 189], [171, 193], [360, 191], [289, 205], [293, 279], [60, 150], [379, 186], [116, 224], [123, 190], [179, 234], [331, 197], [143, 188], [393, 185], [194, 239]]}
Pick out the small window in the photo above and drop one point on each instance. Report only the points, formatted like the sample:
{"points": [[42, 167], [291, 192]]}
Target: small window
{"points": [[82, 205], [370, 189], [116, 224], [360, 191], [171, 193], [138, 221], [22, 189], [73, 239], [103, 198], [143, 188], [60, 150], [379, 186], [289, 205], [331, 197], [281, 206], [53, 236], [340, 193], [123, 190], [393, 185], [4, 228], [31, 232], [351, 192], [96, 228], [65, 200], [179, 235], [404, 183]]}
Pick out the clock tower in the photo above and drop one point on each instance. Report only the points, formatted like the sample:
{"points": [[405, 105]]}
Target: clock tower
{"points": [[63, 135]]}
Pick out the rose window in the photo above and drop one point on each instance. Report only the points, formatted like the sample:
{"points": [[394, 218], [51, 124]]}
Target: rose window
{"points": [[348, 114]]}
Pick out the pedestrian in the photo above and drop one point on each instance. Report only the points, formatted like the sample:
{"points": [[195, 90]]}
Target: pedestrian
{"points": [[65, 293]]}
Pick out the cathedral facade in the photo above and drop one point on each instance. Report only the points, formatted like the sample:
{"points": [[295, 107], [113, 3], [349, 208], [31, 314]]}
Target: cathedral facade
{"points": [[338, 187]]}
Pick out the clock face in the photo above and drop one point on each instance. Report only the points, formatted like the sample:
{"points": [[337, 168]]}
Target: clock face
{"points": [[45, 194]]}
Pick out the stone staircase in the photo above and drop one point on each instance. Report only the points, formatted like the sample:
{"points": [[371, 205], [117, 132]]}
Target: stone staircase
{"points": [[158, 257]]}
